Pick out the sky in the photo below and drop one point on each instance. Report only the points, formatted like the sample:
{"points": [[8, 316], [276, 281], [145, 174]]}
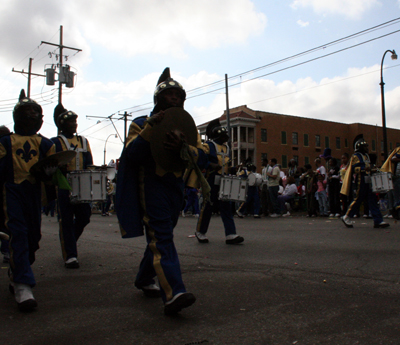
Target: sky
{"points": [[317, 59]]}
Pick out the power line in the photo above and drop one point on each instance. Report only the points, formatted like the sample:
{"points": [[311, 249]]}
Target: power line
{"points": [[296, 65], [320, 47]]}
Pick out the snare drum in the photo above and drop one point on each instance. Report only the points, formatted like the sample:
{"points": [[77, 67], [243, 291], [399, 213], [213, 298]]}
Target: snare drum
{"points": [[382, 182], [87, 186], [254, 179], [232, 188]]}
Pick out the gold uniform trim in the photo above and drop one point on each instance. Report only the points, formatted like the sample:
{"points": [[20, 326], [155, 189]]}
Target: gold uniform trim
{"points": [[153, 243]]}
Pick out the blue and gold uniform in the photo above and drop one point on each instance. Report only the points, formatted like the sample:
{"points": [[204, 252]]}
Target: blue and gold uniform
{"points": [[148, 197], [218, 155], [361, 168], [73, 217], [22, 199]]}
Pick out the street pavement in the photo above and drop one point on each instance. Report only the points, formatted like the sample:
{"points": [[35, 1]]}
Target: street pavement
{"points": [[294, 280]]}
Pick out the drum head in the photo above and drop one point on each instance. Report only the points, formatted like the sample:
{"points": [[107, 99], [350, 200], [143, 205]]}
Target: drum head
{"points": [[175, 119]]}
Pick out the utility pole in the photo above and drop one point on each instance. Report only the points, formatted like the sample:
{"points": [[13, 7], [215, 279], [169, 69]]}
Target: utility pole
{"points": [[61, 46], [228, 120], [124, 117], [29, 73]]}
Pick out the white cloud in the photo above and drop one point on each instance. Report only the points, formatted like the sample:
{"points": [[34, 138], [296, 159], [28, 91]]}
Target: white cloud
{"points": [[302, 24], [168, 27], [351, 98], [353, 9], [128, 27]]}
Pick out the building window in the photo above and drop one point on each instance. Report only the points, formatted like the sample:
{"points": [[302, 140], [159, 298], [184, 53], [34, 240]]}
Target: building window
{"points": [[397, 144], [346, 143], [235, 134], [283, 136], [390, 146], [264, 156], [327, 142], [373, 145], [305, 139], [242, 134], [296, 158], [284, 161], [263, 135], [317, 141], [251, 135], [306, 160], [338, 143], [295, 138], [382, 146]]}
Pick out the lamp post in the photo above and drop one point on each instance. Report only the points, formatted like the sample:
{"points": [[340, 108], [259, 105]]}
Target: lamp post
{"points": [[385, 148], [116, 136]]}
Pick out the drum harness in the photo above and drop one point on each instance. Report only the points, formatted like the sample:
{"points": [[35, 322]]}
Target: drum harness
{"points": [[222, 154], [78, 150], [367, 177]]}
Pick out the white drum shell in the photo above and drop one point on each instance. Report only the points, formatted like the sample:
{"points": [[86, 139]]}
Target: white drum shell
{"points": [[259, 179], [382, 182], [88, 186], [232, 189], [251, 179], [255, 179]]}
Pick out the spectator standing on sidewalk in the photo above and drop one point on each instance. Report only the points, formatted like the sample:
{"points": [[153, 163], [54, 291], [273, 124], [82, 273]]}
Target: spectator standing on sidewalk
{"points": [[273, 187]]}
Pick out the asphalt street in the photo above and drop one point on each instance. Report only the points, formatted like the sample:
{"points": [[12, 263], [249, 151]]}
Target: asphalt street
{"points": [[294, 280]]}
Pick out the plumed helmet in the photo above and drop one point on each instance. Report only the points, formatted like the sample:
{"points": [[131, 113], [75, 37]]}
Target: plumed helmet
{"points": [[18, 112], [61, 115], [359, 143], [215, 131], [166, 82]]}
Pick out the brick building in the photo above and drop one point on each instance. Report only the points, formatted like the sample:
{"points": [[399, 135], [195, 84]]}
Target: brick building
{"points": [[259, 134]]}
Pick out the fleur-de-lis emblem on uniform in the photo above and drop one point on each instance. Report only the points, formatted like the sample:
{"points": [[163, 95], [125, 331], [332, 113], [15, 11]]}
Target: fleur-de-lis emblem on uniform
{"points": [[26, 154]]}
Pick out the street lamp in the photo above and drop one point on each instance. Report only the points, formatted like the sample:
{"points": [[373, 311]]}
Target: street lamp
{"points": [[116, 136], [385, 148]]}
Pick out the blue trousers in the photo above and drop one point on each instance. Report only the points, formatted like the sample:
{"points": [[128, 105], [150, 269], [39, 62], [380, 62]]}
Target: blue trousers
{"points": [[23, 207], [193, 200], [73, 219], [225, 210], [364, 193], [161, 203], [252, 196]]}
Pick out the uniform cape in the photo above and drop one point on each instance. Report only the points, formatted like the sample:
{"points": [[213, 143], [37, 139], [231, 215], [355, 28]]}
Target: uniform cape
{"points": [[127, 199], [389, 166], [347, 178]]}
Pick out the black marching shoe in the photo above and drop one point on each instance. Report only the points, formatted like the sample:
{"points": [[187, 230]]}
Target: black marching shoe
{"points": [[151, 290], [178, 302], [24, 297], [202, 238], [381, 225], [72, 263], [347, 221], [234, 239]]}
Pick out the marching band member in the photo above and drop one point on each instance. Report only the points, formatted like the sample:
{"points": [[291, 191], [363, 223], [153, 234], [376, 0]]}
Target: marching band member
{"points": [[361, 166], [217, 151], [392, 164], [252, 193], [19, 151], [150, 197], [73, 217], [4, 242]]}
